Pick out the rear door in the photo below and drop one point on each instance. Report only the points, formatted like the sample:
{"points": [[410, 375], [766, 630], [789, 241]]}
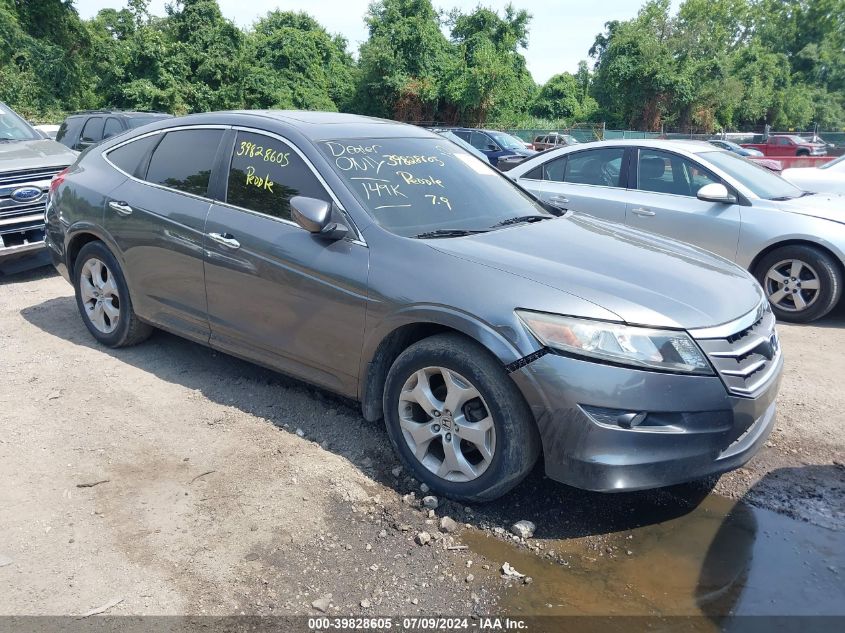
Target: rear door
{"points": [[276, 293], [157, 217], [589, 181], [663, 200]]}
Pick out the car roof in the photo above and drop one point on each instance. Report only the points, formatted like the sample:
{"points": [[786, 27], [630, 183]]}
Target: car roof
{"points": [[313, 125], [129, 114], [680, 145]]}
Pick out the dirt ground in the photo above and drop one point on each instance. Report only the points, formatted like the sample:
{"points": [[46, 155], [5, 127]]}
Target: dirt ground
{"points": [[177, 480]]}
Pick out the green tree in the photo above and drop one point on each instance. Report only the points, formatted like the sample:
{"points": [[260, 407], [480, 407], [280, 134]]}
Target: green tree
{"points": [[559, 99], [402, 63], [292, 62]]}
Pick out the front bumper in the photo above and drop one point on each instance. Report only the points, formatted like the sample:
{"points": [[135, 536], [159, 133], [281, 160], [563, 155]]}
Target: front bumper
{"points": [[692, 427]]}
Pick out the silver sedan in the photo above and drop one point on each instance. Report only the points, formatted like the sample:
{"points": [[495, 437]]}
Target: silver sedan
{"points": [[792, 240]]}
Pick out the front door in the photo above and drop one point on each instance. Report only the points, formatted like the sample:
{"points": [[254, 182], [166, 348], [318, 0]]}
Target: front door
{"points": [[664, 202], [276, 293]]}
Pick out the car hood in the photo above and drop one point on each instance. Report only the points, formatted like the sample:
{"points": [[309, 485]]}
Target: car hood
{"points": [[18, 155], [642, 278], [522, 152], [827, 206]]}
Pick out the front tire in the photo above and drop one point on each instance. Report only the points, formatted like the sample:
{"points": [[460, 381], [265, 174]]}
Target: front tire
{"points": [[457, 421], [102, 297], [802, 283]]}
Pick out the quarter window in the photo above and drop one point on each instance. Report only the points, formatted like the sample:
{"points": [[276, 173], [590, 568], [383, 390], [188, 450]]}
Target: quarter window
{"points": [[183, 160], [663, 172], [130, 157], [266, 173], [599, 167]]}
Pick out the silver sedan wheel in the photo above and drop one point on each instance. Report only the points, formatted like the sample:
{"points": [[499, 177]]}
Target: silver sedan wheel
{"points": [[792, 285], [446, 424], [99, 295]]}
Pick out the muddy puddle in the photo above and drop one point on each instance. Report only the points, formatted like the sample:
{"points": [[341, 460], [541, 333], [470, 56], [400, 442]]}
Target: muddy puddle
{"points": [[721, 558]]}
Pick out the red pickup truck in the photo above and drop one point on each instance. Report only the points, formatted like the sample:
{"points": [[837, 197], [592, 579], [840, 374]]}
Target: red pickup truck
{"points": [[788, 145]]}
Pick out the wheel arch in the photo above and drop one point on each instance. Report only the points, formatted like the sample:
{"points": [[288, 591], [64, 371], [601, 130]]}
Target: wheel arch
{"points": [[796, 242], [379, 356]]}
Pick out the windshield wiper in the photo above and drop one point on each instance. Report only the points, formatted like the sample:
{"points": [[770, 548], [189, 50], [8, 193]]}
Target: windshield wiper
{"points": [[783, 198], [448, 233], [521, 219]]}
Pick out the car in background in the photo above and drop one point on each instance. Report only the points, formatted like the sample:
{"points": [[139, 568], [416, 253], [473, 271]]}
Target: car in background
{"points": [[735, 148], [28, 162], [792, 241], [827, 178], [552, 140], [492, 143], [788, 145], [375, 260], [81, 130], [457, 140], [47, 130]]}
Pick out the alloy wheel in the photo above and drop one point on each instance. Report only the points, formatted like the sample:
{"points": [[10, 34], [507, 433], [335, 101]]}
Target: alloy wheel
{"points": [[446, 424], [792, 285], [99, 295]]}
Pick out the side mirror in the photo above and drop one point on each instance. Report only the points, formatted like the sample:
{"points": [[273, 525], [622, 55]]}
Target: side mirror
{"points": [[715, 192], [492, 148], [315, 217]]}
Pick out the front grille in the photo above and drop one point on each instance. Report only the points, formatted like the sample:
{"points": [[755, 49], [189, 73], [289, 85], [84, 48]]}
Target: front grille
{"points": [[22, 222], [745, 359]]}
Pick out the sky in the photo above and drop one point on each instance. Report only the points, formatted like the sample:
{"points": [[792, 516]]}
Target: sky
{"points": [[561, 31]]}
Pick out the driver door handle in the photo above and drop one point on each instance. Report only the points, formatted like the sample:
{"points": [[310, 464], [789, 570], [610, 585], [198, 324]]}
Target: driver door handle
{"points": [[121, 208], [558, 201], [643, 211], [226, 240]]}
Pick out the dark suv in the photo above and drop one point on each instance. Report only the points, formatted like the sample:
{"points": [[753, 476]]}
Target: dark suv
{"points": [[84, 129], [492, 143]]}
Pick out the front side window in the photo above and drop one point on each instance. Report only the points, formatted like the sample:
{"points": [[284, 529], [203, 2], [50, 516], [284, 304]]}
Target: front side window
{"points": [[183, 160], [266, 173], [663, 172], [598, 167], [411, 186], [131, 157]]}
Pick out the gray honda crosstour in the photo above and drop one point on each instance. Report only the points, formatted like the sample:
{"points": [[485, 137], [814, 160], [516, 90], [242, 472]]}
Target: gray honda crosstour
{"points": [[383, 263]]}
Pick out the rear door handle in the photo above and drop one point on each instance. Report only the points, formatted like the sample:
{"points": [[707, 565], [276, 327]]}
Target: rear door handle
{"points": [[226, 240], [643, 211], [121, 208]]}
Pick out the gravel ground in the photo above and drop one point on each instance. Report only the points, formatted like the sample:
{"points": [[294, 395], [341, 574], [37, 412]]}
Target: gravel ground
{"points": [[179, 480]]}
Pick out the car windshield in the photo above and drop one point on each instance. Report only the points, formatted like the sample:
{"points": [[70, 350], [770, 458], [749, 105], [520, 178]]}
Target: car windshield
{"points": [[796, 139], [412, 186], [507, 141], [835, 165], [761, 181], [14, 128]]}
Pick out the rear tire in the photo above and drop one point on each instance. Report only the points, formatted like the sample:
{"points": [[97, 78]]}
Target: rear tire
{"points": [[102, 297], [802, 283], [482, 448]]}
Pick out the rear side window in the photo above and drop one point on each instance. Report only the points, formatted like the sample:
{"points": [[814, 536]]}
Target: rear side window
{"points": [[266, 173], [554, 169], [93, 130], [598, 167], [112, 127], [131, 157], [183, 160]]}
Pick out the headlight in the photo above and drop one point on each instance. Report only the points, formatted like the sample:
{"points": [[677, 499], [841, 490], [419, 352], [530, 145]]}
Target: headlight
{"points": [[666, 350]]}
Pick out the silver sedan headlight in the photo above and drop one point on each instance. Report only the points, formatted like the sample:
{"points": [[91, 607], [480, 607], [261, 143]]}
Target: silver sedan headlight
{"points": [[647, 348]]}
